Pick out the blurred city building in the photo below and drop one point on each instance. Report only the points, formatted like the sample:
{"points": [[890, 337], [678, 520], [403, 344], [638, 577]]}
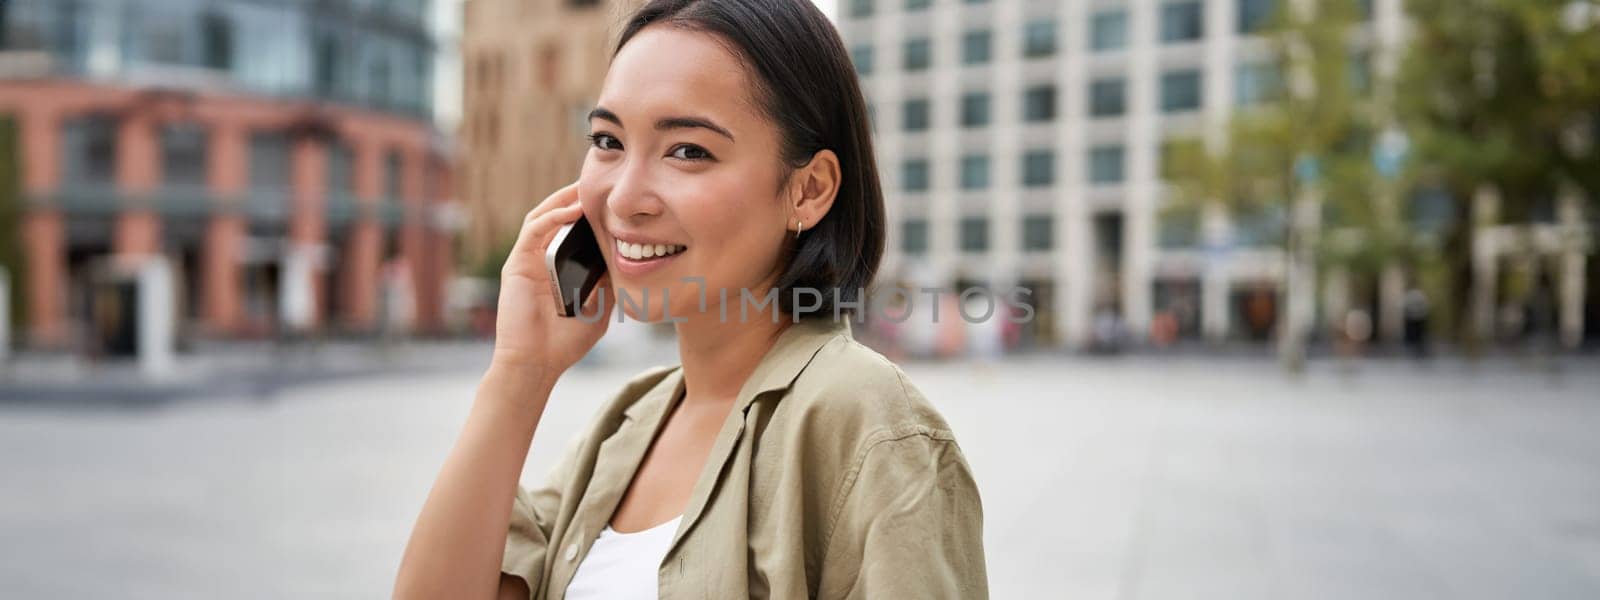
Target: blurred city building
{"points": [[532, 70], [281, 155], [1022, 142]]}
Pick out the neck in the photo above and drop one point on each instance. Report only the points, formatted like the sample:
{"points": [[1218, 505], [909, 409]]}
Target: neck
{"points": [[719, 356]]}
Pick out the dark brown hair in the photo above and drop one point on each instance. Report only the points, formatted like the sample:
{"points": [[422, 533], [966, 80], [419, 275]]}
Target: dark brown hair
{"points": [[807, 86]]}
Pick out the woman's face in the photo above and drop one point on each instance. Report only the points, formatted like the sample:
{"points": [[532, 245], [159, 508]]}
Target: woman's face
{"points": [[683, 164]]}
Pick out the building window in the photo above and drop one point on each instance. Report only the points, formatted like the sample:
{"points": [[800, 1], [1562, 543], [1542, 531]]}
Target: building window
{"points": [[1182, 22], [915, 5], [1180, 90], [391, 175], [183, 155], [1039, 39], [862, 56], [1255, 15], [975, 109], [1108, 97], [974, 234], [269, 161], [914, 236], [1039, 104], [89, 149], [1038, 232], [1038, 168], [1105, 164], [49, 25], [1178, 228], [157, 34], [914, 175], [1259, 225], [216, 37], [860, 8], [975, 172], [975, 47], [1255, 83], [918, 54], [341, 170], [914, 115], [326, 66], [1109, 30], [379, 75]]}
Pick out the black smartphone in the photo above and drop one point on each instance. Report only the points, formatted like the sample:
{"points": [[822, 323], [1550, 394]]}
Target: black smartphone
{"points": [[575, 264]]}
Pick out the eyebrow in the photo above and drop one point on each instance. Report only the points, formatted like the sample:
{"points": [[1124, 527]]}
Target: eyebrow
{"points": [[665, 123]]}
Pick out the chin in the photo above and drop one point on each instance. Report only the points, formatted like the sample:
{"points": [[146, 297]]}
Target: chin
{"points": [[641, 307]]}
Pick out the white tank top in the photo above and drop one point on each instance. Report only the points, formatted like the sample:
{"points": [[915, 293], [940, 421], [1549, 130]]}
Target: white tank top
{"points": [[623, 566]]}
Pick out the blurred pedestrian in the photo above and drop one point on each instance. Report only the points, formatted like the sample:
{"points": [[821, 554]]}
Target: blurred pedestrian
{"points": [[1357, 331], [1415, 312], [1107, 336]]}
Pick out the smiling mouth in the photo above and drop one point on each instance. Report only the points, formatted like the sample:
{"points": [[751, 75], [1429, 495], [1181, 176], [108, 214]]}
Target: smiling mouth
{"points": [[647, 251]]}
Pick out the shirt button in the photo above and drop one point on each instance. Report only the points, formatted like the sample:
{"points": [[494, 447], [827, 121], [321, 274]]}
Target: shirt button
{"points": [[572, 551]]}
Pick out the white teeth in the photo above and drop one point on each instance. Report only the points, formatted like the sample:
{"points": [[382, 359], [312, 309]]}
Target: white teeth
{"points": [[643, 251]]}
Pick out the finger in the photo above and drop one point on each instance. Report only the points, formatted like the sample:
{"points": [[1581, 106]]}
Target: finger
{"points": [[535, 235], [550, 224], [566, 196], [536, 230]]}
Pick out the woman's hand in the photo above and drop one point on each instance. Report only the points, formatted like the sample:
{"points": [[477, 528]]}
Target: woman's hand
{"points": [[530, 333], [459, 540]]}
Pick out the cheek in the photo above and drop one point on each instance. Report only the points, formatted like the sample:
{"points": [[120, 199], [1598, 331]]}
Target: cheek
{"points": [[589, 193], [596, 175], [737, 230], [594, 210]]}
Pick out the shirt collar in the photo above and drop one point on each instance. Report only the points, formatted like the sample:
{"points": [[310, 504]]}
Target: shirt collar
{"points": [[790, 355]]}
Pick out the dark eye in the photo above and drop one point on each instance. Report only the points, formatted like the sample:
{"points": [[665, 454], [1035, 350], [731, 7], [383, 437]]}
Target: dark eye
{"points": [[604, 141], [690, 152]]}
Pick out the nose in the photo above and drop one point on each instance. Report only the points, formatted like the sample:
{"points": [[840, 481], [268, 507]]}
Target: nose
{"points": [[632, 196]]}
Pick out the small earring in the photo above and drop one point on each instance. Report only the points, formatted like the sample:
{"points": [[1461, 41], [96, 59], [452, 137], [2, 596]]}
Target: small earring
{"points": [[799, 226]]}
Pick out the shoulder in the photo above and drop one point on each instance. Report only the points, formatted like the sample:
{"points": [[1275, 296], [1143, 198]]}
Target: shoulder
{"points": [[875, 443], [851, 390]]}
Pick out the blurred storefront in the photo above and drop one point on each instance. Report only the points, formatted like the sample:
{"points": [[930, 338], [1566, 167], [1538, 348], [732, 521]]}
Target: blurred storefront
{"points": [[281, 156]]}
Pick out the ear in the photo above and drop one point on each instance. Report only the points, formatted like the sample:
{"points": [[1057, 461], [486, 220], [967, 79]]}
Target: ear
{"points": [[812, 189]]}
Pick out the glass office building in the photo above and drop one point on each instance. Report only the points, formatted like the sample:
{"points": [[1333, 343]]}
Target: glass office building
{"points": [[375, 53]]}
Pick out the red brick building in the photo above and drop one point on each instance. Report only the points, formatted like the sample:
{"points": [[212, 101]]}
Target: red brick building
{"points": [[230, 186]]}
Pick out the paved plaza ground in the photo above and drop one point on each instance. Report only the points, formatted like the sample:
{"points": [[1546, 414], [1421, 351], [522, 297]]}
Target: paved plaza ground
{"points": [[1113, 479]]}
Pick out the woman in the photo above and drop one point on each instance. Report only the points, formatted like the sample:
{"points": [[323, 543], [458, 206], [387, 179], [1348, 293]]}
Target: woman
{"points": [[731, 159]]}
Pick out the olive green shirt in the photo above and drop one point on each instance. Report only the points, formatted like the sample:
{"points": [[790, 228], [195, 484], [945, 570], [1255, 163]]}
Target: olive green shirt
{"points": [[832, 477]]}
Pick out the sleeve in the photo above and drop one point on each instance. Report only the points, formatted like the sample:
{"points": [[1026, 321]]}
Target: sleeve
{"points": [[909, 524], [533, 516]]}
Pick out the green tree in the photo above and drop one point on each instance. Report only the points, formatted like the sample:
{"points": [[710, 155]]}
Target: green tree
{"points": [[1304, 152], [1502, 98]]}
